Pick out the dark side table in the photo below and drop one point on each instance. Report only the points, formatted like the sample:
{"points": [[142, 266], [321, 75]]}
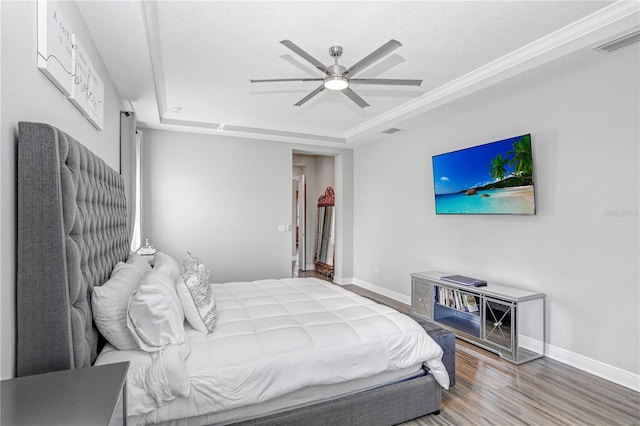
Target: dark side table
{"points": [[82, 396]]}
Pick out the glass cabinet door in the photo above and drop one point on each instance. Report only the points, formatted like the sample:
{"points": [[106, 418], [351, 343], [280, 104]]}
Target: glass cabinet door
{"points": [[499, 317], [422, 299]]}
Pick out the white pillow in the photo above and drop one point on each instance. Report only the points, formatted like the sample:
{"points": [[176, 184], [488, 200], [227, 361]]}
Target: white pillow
{"points": [[109, 302], [155, 317], [153, 377], [118, 267], [166, 264], [138, 262], [197, 300]]}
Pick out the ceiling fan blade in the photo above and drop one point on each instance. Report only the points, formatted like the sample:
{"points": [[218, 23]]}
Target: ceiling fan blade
{"points": [[286, 79], [313, 61], [383, 50], [355, 98], [310, 95], [392, 81]]}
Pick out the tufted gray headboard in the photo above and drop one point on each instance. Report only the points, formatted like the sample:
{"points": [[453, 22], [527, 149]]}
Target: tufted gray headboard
{"points": [[72, 230]]}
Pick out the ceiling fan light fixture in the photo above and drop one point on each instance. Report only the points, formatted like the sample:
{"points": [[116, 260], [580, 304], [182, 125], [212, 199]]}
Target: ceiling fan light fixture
{"points": [[336, 82], [338, 78]]}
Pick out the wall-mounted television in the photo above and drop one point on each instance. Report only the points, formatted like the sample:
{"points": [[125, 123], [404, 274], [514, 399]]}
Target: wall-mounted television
{"points": [[494, 178]]}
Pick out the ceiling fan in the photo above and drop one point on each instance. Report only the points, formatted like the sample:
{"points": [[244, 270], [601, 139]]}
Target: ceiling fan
{"points": [[338, 77]]}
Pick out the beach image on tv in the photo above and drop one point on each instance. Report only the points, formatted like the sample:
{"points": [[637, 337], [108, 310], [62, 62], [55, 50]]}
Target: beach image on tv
{"points": [[495, 178]]}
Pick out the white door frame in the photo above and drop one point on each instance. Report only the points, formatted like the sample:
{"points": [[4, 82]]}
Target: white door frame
{"points": [[300, 220]]}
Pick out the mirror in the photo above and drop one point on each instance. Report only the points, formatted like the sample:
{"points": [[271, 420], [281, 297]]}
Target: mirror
{"points": [[325, 235]]}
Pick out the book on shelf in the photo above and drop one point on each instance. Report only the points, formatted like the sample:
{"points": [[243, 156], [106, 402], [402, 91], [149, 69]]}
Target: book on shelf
{"points": [[464, 302], [451, 301], [456, 299], [470, 301], [459, 305]]}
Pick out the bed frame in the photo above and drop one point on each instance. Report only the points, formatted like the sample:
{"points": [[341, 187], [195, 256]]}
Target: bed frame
{"points": [[72, 230]]}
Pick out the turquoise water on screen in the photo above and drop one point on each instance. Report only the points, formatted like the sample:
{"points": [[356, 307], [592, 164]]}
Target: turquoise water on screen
{"points": [[495, 203]]}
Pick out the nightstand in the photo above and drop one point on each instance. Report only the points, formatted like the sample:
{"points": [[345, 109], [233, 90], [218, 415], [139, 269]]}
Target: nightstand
{"points": [[147, 251], [82, 396], [148, 257]]}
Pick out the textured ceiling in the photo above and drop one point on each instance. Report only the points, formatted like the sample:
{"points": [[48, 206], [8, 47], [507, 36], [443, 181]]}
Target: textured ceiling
{"points": [[200, 56]]}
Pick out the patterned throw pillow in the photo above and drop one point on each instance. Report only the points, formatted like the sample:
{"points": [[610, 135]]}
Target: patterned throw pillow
{"points": [[196, 296]]}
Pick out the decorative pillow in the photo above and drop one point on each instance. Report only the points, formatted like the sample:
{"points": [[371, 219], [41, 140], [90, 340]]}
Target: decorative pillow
{"points": [[166, 264], [196, 296], [109, 302], [138, 262], [191, 263], [154, 316]]}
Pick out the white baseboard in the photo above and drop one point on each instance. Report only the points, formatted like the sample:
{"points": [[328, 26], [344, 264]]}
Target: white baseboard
{"points": [[597, 368], [381, 290], [342, 280]]}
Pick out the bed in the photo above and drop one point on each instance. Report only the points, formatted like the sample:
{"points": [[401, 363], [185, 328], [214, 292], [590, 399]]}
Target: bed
{"points": [[73, 240]]}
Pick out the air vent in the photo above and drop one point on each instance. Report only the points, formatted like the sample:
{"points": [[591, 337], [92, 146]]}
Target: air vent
{"points": [[620, 42], [391, 131]]}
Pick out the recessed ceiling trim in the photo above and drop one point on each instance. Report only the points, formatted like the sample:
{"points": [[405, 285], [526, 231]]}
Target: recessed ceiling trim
{"points": [[152, 29], [150, 15], [619, 42], [253, 132], [602, 25], [581, 34]]}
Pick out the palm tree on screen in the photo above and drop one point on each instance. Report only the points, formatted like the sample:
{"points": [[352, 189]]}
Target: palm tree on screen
{"points": [[497, 167], [521, 158]]}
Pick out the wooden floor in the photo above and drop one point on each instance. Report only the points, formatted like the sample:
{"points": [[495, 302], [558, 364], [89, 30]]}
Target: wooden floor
{"points": [[491, 391]]}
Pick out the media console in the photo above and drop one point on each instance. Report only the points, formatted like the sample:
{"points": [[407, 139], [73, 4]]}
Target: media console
{"points": [[503, 319]]}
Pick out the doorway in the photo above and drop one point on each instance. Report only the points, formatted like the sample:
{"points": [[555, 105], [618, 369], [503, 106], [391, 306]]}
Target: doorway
{"points": [[318, 172], [299, 242]]}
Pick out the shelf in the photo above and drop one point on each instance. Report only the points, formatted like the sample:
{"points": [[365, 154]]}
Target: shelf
{"points": [[502, 310], [492, 289], [477, 313], [462, 321], [470, 327], [456, 299]]}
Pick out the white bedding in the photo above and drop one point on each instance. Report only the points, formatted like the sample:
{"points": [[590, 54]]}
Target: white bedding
{"points": [[273, 337]]}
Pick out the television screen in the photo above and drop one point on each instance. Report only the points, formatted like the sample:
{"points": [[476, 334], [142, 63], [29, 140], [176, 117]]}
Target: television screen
{"points": [[494, 178]]}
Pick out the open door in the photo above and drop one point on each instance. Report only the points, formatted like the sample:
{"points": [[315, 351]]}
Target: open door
{"points": [[299, 219]]}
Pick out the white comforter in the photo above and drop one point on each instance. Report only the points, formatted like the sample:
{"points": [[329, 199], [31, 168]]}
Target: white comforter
{"points": [[273, 337]]}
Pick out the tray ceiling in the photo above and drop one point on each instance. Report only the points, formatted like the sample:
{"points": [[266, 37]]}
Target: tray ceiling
{"points": [[187, 65]]}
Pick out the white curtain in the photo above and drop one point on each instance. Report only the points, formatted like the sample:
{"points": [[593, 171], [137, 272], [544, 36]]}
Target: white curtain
{"points": [[136, 237], [130, 168]]}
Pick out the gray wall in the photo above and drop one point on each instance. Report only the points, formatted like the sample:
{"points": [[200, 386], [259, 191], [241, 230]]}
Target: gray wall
{"points": [[581, 248], [222, 199], [27, 95]]}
